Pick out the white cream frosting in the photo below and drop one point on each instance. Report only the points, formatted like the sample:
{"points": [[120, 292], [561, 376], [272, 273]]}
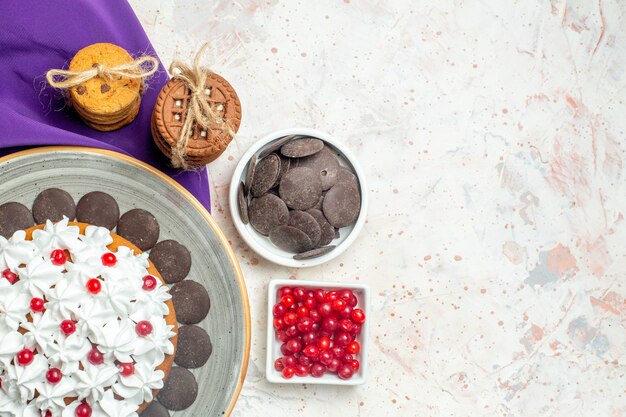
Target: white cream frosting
{"points": [[106, 320]]}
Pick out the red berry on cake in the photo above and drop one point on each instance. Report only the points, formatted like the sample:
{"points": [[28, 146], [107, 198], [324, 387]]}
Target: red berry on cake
{"points": [[95, 357], [9, 275], [58, 257], [25, 357], [127, 369], [54, 375], [83, 410], [149, 283], [143, 328], [109, 259], [94, 285], [68, 327], [37, 305]]}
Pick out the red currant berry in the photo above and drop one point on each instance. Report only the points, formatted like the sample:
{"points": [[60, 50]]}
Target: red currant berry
{"points": [[302, 311], [339, 304], [317, 370], [323, 343], [288, 372], [149, 283], [329, 324], [284, 350], [278, 364], [315, 316], [58, 257], [9, 276], [304, 360], [83, 410], [290, 318], [337, 351], [294, 346], [95, 357], [279, 323], [291, 331], [94, 285], [298, 293], [346, 325], [25, 357], [301, 370], [289, 361], [345, 313], [333, 365], [48, 413], [345, 295], [287, 301], [345, 371], [143, 328], [355, 365], [331, 296], [343, 338], [309, 338], [353, 301], [356, 329], [109, 259], [54, 375], [284, 291], [126, 369], [304, 325], [325, 309], [312, 351], [281, 335], [325, 357], [37, 305], [279, 310], [353, 348], [319, 295], [358, 316], [68, 327], [346, 358], [309, 303]]}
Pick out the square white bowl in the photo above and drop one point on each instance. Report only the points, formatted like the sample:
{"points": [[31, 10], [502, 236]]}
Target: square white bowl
{"points": [[262, 244], [362, 294]]}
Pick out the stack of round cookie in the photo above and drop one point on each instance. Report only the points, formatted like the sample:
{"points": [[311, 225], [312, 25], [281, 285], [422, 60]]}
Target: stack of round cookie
{"points": [[105, 102], [170, 111]]}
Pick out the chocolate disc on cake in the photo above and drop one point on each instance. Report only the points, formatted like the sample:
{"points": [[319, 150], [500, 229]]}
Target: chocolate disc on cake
{"points": [[140, 227], [194, 347], [155, 409], [99, 209], [191, 302], [179, 391], [267, 212], [300, 188], [52, 204], [172, 259], [13, 217]]}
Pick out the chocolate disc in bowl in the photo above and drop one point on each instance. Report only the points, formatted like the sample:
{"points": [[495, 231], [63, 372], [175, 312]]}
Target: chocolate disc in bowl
{"points": [[327, 231], [305, 222], [140, 227], [52, 204], [250, 170], [242, 203], [345, 175], [342, 205], [267, 212], [99, 209], [326, 165], [290, 239], [13, 217], [302, 147], [313, 253], [300, 188], [265, 175], [276, 145], [180, 389]]}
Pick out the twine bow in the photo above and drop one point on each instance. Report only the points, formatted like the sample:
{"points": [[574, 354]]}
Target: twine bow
{"points": [[199, 111], [140, 68]]}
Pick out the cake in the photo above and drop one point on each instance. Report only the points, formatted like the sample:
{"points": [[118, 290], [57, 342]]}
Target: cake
{"points": [[87, 326]]}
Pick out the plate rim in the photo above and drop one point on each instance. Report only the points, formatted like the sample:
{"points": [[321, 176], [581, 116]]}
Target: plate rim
{"points": [[243, 291]]}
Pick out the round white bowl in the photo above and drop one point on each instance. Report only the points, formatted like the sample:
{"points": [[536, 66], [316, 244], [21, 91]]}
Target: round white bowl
{"points": [[261, 244]]}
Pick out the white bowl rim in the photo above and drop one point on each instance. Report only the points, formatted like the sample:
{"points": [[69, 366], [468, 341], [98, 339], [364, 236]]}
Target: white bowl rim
{"points": [[273, 376], [246, 233]]}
